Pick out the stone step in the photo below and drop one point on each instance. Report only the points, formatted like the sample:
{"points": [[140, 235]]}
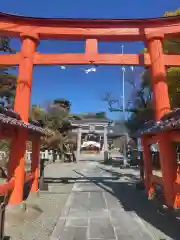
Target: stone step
{"points": [[91, 157], [58, 188]]}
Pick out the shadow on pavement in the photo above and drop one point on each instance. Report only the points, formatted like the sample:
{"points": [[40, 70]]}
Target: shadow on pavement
{"points": [[119, 175], [137, 201], [79, 179]]}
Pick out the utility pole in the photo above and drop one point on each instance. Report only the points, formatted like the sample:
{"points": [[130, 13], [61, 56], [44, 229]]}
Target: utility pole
{"points": [[123, 109], [123, 103], [123, 78]]}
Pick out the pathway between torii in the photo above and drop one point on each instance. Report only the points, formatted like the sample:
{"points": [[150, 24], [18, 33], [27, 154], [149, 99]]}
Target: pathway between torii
{"points": [[104, 205]]}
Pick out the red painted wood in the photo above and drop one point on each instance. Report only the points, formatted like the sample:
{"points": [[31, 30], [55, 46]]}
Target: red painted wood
{"points": [[152, 30], [147, 162], [106, 30], [9, 186], [80, 59], [6, 187], [35, 164], [157, 180], [159, 83]]}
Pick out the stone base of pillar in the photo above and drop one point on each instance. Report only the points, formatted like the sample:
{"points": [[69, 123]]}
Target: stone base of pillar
{"points": [[21, 207], [33, 195], [26, 211], [106, 156]]}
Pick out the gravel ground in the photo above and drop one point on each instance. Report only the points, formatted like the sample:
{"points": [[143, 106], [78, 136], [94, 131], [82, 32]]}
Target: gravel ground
{"points": [[38, 222]]}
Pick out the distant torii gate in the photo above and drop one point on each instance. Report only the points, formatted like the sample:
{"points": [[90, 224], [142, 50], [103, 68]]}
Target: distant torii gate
{"points": [[150, 31]]}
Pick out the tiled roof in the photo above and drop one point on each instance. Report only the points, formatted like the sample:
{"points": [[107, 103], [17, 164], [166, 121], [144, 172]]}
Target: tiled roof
{"points": [[170, 121], [8, 117], [90, 121], [118, 129]]}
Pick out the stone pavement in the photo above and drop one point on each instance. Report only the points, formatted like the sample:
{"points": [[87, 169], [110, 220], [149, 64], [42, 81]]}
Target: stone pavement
{"points": [[93, 212], [98, 202]]}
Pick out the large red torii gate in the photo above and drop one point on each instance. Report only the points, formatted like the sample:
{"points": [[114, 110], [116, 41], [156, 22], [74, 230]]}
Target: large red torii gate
{"points": [[150, 31]]}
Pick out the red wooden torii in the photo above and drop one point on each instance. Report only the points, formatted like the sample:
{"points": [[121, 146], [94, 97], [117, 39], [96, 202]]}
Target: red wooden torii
{"points": [[150, 31]]}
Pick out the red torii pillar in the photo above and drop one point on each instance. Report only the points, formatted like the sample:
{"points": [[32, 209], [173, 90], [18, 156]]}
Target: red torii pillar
{"points": [[35, 164], [162, 106], [21, 106], [147, 163]]}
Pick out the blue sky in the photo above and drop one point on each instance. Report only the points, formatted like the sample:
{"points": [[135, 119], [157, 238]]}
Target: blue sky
{"points": [[85, 91]]}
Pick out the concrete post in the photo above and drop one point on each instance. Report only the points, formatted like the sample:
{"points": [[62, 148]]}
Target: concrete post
{"points": [[105, 139], [79, 134], [105, 145]]}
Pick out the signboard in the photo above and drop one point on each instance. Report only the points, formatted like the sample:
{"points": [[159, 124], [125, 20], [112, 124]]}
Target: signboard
{"points": [[139, 146], [91, 128]]}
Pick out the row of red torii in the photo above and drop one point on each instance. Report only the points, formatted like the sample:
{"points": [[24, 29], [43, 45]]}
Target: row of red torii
{"points": [[150, 31]]}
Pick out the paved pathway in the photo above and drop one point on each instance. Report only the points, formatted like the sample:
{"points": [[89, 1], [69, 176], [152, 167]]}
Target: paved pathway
{"points": [[101, 202], [93, 211]]}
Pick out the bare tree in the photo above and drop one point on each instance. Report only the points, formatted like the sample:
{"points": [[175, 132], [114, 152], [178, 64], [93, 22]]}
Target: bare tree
{"points": [[113, 103]]}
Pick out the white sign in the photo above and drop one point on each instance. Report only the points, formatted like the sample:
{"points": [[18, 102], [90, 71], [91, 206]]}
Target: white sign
{"points": [[91, 128]]}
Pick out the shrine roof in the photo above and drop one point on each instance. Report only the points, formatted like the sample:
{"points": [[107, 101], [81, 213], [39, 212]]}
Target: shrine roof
{"points": [[90, 121], [169, 122], [117, 130], [10, 118], [74, 21]]}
